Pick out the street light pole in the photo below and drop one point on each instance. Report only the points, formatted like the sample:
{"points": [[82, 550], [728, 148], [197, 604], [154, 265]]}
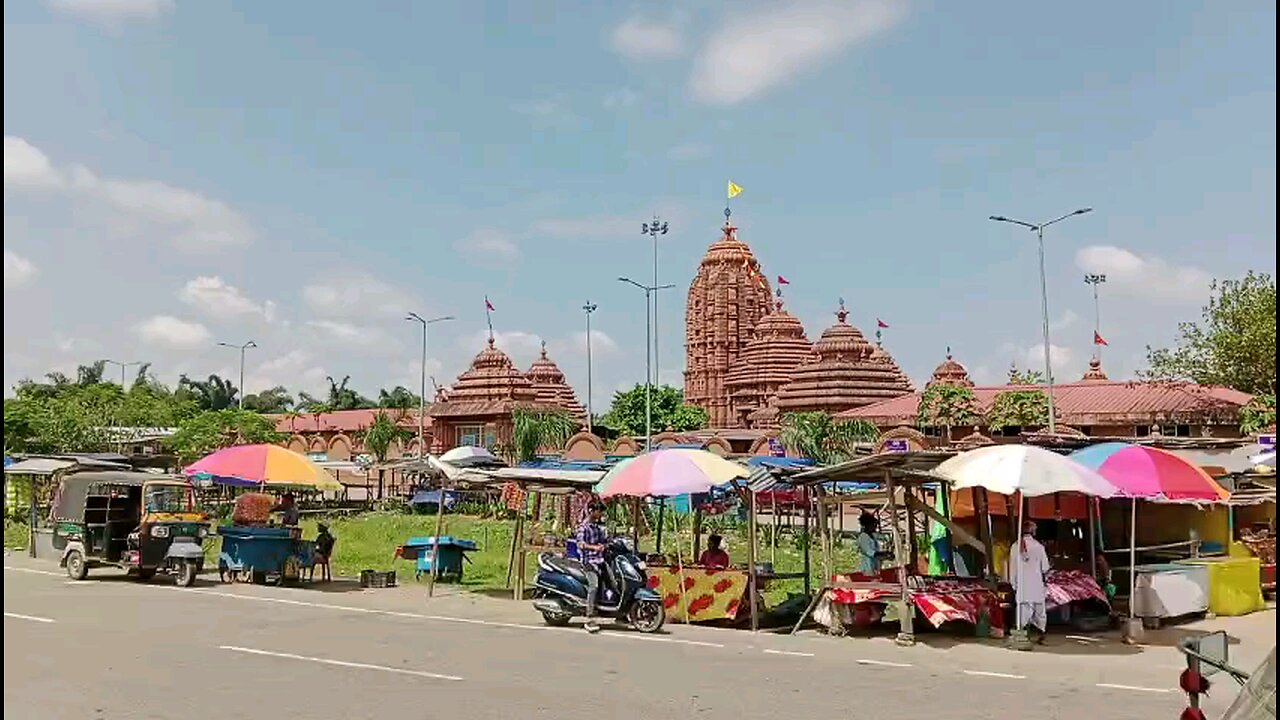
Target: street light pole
{"points": [[587, 309], [649, 292], [422, 377], [654, 229], [1095, 281], [241, 348], [1038, 229], [123, 366]]}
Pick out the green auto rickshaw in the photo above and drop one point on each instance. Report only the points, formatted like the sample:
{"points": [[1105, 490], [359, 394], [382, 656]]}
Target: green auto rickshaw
{"points": [[143, 523]]}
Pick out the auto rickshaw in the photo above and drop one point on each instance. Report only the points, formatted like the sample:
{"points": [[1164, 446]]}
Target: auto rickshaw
{"points": [[142, 523]]}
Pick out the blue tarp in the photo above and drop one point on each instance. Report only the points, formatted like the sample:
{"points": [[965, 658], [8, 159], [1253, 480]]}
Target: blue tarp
{"points": [[432, 497]]}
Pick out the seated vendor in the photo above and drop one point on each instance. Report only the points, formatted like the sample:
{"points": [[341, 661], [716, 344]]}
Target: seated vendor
{"points": [[288, 510], [714, 556]]}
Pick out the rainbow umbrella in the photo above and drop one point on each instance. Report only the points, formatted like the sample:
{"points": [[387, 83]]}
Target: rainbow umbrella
{"points": [[261, 465], [666, 473], [1145, 472]]}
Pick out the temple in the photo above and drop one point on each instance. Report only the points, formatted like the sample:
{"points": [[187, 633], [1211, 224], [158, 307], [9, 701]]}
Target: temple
{"points": [[551, 388], [778, 345], [727, 299]]}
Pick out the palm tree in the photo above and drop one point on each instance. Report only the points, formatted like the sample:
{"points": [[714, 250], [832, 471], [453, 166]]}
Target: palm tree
{"points": [[343, 398], [378, 437], [399, 397], [91, 374], [212, 394], [819, 436], [535, 430], [273, 400]]}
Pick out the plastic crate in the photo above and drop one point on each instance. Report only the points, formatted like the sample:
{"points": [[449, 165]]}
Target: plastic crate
{"points": [[377, 579]]}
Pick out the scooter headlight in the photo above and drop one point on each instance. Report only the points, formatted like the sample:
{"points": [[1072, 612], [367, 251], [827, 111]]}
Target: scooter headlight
{"points": [[202, 532], [160, 531], [642, 565]]}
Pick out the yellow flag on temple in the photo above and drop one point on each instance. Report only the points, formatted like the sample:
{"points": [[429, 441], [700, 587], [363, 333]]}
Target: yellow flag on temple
{"points": [[734, 189]]}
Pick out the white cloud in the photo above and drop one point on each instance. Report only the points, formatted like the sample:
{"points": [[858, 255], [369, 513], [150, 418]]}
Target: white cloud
{"points": [[353, 295], [172, 332], [212, 296], [522, 347], [639, 39], [609, 227], [688, 151], [755, 51], [1067, 321], [1061, 359], [26, 166], [487, 245], [347, 332], [621, 99], [131, 207], [17, 269], [113, 13], [297, 370], [601, 344], [547, 111], [1150, 278]]}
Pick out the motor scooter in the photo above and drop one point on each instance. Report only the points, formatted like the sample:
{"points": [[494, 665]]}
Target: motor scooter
{"points": [[560, 590]]}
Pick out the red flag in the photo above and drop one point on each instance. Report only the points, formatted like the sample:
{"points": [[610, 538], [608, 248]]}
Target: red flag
{"points": [[488, 305], [881, 324], [783, 281], [1097, 339]]}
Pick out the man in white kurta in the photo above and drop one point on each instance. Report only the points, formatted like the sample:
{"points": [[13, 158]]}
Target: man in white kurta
{"points": [[1028, 565]]}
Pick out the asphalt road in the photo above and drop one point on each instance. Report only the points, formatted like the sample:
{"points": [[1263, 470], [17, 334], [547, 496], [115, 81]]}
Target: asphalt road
{"points": [[111, 648]]}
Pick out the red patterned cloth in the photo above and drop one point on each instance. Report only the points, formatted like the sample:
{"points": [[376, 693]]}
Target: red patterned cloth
{"points": [[940, 600], [513, 497], [1064, 586]]}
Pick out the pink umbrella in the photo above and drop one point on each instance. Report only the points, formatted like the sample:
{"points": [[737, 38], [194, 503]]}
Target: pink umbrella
{"points": [[1150, 473]]}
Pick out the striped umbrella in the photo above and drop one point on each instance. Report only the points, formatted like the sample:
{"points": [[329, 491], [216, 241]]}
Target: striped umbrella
{"points": [[666, 473]]}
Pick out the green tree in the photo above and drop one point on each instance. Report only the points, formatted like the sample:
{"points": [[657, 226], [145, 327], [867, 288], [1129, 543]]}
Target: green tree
{"points": [[399, 397], [379, 436], [342, 397], [824, 439], [215, 429], [626, 414], [211, 394], [536, 430], [946, 406], [1257, 416], [1025, 377], [272, 401], [1019, 408], [1234, 344]]}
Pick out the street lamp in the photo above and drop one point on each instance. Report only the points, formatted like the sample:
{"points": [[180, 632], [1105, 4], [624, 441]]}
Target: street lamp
{"points": [[649, 292], [422, 379], [123, 366], [653, 229], [1095, 281], [241, 348], [587, 309], [1038, 229]]}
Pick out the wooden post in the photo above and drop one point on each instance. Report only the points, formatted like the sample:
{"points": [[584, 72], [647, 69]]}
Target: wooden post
{"points": [[31, 520], [945, 491], [912, 541], [515, 544], [822, 534], [808, 544], [773, 536], [635, 522], [520, 558], [662, 508], [753, 589], [982, 513], [1090, 507], [697, 533], [435, 546], [906, 613]]}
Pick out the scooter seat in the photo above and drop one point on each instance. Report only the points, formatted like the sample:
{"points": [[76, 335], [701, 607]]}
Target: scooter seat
{"points": [[565, 566]]}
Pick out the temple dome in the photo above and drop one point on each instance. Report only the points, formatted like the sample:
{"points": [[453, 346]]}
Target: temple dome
{"points": [[492, 384], [551, 388], [840, 375], [1095, 373], [951, 373], [765, 364]]}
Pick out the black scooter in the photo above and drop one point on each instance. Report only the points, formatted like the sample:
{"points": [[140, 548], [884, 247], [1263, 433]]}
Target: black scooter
{"points": [[560, 590]]}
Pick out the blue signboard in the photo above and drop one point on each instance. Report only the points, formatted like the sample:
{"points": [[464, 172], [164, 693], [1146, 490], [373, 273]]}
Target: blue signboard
{"points": [[895, 445], [1268, 442], [776, 448]]}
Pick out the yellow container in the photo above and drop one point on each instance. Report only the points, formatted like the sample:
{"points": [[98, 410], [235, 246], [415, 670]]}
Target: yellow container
{"points": [[1235, 585]]}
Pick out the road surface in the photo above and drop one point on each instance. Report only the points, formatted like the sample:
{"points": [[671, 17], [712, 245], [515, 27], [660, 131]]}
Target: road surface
{"points": [[110, 648]]}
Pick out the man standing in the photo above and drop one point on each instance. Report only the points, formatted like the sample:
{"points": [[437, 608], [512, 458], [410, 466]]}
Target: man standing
{"points": [[1028, 577], [592, 537]]}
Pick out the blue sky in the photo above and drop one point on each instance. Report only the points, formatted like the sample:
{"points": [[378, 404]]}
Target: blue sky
{"points": [[179, 173]]}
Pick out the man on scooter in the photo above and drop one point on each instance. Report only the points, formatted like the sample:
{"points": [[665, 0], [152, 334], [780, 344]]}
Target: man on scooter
{"points": [[592, 537]]}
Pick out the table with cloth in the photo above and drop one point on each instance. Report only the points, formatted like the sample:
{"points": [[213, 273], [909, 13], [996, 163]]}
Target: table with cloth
{"points": [[709, 593], [1067, 586], [939, 599]]}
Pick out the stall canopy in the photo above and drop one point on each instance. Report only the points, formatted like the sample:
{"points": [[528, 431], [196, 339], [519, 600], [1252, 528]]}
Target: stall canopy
{"points": [[909, 466]]}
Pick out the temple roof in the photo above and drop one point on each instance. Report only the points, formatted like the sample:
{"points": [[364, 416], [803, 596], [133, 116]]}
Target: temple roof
{"points": [[778, 345], [492, 385], [880, 355], [551, 388], [1095, 373], [950, 372], [840, 375]]}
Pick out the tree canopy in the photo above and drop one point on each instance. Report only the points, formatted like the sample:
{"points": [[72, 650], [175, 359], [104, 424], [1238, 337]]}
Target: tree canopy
{"points": [[1233, 344], [947, 406], [1019, 408], [819, 436], [626, 414], [538, 430], [201, 434]]}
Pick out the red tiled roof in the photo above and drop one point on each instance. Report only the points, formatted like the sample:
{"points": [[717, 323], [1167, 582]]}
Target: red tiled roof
{"points": [[1090, 403], [339, 421]]}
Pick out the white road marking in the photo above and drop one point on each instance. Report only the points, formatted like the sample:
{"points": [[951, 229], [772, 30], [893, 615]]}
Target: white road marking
{"points": [[789, 653], [339, 663], [1135, 688], [394, 613], [987, 673], [31, 618], [33, 571], [882, 663]]}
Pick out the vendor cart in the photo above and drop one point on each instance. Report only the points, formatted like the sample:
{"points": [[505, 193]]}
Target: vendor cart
{"points": [[450, 556], [260, 554]]}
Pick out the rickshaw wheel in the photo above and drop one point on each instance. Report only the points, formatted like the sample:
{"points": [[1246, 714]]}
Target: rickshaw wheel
{"points": [[290, 570], [187, 573], [77, 568]]}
